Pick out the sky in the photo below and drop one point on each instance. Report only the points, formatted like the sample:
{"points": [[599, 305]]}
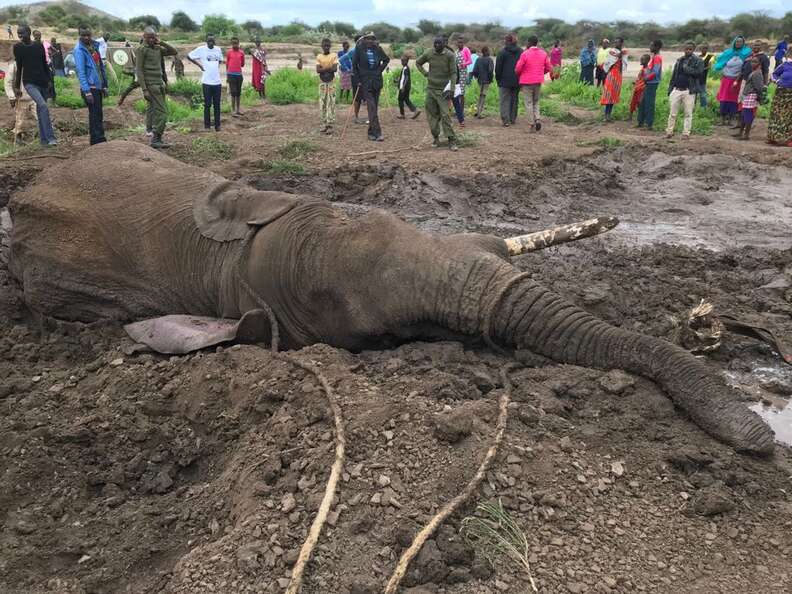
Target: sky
{"points": [[409, 12]]}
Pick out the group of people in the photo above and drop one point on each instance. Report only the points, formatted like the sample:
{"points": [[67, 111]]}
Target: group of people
{"points": [[745, 76]]}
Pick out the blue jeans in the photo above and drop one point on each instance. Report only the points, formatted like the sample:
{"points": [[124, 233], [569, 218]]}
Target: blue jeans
{"points": [[46, 133], [703, 99]]}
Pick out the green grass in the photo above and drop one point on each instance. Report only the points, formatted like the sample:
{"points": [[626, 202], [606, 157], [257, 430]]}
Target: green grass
{"points": [[282, 167], [211, 148], [610, 142], [468, 139], [297, 149]]}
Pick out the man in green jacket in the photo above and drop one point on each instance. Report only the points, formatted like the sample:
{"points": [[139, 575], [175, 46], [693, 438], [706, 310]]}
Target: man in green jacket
{"points": [[148, 64], [442, 79]]}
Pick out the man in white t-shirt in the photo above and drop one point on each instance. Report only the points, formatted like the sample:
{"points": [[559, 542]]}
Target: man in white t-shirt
{"points": [[208, 58]]}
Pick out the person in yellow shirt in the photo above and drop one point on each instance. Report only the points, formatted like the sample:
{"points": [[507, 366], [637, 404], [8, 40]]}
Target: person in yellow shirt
{"points": [[326, 66], [602, 56]]}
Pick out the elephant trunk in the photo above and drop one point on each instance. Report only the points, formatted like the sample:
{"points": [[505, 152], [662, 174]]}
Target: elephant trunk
{"points": [[519, 312]]}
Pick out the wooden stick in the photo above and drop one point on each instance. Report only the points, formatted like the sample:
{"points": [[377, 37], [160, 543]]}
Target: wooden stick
{"points": [[456, 502], [349, 113]]}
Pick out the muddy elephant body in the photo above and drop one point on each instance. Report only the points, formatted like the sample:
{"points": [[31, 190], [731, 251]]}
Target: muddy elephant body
{"points": [[162, 237]]}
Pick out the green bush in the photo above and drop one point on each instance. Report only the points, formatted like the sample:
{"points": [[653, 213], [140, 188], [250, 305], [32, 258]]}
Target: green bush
{"points": [[289, 85], [210, 148]]}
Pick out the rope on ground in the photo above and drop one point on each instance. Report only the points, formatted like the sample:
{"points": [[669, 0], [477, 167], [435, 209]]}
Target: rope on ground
{"points": [[338, 463], [470, 488]]}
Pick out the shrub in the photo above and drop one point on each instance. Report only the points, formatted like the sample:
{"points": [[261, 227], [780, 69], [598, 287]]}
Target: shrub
{"points": [[182, 22], [296, 149], [289, 85], [211, 148]]}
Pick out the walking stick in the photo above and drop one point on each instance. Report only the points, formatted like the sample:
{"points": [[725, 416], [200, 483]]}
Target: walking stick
{"points": [[349, 113]]}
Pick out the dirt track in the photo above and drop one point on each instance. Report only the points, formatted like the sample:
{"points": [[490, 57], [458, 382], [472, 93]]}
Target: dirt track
{"points": [[140, 473]]}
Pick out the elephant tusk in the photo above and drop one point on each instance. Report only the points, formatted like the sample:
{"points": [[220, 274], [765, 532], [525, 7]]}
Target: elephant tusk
{"points": [[557, 235]]}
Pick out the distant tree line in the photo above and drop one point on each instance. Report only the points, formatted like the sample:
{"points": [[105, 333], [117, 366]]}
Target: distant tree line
{"points": [[751, 24]]}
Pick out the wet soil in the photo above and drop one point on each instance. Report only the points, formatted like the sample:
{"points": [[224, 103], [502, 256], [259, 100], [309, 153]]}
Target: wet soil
{"points": [[132, 472]]}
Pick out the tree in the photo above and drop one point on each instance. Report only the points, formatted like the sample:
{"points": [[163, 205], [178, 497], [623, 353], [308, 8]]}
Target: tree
{"points": [[384, 31], [428, 27], [344, 29], [52, 14], [293, 29], [181, 21], [410, 35], [252, 27], [220, 25], [786, 24], [145, 20]]}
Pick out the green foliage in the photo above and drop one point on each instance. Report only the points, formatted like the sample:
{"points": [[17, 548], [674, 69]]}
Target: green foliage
{"points": [[52, 14], [610, 142], [219, 25], [177, 111], [294, 28], [385, 32], [139, 23], [297, 149], [252, 27], [468, 139], [210, 148], [67, 93], [282, 167], [428, 27], [289, 85], [188, 89], [182, 22]]}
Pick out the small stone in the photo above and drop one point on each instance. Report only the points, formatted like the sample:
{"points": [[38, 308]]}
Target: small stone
{"points": [[453, 426], [383, 480], [711, 502], [587, 527], [566, 444], [283, 583], [617, 468], [116, 362], [388, 434], [288, 503], [376, 499], [616, 382]]}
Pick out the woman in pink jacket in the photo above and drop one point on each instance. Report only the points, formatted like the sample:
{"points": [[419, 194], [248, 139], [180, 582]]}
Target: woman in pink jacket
{"points": [[531, 69]]}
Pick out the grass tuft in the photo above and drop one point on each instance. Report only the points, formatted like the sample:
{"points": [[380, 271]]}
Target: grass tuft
{"points": [[297, 149], [282, 167], [210, 148], [493, 532]]}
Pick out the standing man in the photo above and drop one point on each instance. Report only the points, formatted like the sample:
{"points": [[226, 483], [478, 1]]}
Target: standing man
{"points": [[149, 57], [483, 72], [93, 82], [345, 71], [235, 62], [46, 44], [441, 80], [403, 81], [531, 69], [508, 82], [602, 56], [10, 33], [32, 72], [588, 61], [780, 51], [683, 88], [368, 65], [707, 58], [326, 67], [208, 58], [56, 58]]}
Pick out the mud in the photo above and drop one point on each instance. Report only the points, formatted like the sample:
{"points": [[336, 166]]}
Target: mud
{"points": [[125, 471]]}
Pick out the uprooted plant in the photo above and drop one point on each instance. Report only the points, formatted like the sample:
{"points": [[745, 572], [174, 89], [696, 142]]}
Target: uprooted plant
{"points": [[493, 532]]}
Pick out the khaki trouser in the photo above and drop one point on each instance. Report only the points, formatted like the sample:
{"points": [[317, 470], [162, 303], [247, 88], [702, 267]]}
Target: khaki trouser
{"points": [[437, 114], [531, 98], [157, 107], [688, 101], [481, 99], [327, 103]]}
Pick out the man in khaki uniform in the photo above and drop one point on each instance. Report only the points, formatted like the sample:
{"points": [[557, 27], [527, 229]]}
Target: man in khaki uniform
{"points": [[441, 80], [148, 63]]}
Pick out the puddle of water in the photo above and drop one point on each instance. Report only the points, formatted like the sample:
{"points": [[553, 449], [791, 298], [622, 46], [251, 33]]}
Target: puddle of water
{"points": [[779, 419]]}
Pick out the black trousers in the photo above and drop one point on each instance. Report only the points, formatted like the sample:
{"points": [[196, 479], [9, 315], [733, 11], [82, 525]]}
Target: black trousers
{"points": [[212, 95], [371, 97], [95, 117], [404, 99]]}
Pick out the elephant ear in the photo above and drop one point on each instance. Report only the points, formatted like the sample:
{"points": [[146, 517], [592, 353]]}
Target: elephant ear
{"points": [[228, 210]]}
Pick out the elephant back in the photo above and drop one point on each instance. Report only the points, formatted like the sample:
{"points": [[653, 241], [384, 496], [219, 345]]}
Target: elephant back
{"points": [[119, 231]]}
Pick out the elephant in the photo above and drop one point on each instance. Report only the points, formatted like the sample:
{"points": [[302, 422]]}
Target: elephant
{"points": [[157, 236]]}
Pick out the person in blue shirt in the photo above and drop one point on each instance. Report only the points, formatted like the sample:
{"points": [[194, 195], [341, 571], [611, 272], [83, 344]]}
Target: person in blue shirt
{"points": [[588, 61], [781, 50], [93, 82], [344, 72]]}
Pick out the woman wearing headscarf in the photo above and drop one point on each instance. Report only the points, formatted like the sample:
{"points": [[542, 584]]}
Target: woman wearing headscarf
{"points": [[779, 125], [260, 70], [613, 67], [730, 64]]}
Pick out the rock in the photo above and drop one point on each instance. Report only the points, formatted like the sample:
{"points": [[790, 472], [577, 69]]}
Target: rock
{"points": [[458, 575], [566, 444], [290, 557], [117, 362], [163, 482], [616, 382], [481, 569], [364, 587], [577, 587], [247, 557], [383, 480], [288, 503], [453, 426], [430, 565], [712, 501], [617, 468]]}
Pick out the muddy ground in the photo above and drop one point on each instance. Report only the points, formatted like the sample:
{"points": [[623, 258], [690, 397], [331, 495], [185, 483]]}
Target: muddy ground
{"points": [[134, 472]]}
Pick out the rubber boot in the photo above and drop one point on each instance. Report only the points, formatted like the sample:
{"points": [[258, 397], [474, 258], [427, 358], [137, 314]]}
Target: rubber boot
{"points": [[158, 143]]}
